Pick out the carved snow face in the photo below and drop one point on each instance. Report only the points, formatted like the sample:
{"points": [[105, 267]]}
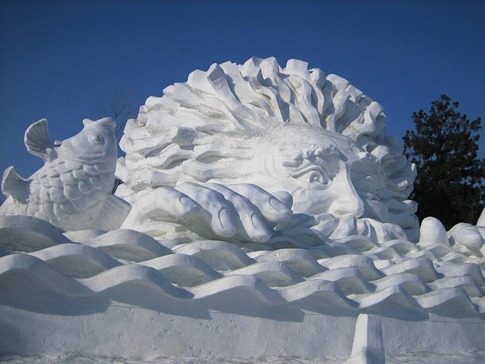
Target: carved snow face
{"points": [[284, 129], [315, 167], [326, 173]]}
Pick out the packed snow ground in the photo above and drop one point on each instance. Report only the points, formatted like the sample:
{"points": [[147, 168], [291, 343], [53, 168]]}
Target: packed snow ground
{"points": [[417, 358]]}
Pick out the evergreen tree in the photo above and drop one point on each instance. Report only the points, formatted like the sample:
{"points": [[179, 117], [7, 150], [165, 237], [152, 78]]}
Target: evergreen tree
{"points": [[450, 182]]}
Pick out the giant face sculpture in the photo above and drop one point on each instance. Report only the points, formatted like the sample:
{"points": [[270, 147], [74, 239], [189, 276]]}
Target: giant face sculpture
{"points": [[295, 130], [315, 169]]}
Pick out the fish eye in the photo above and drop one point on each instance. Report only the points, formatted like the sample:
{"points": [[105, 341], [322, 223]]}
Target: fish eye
{"points": [[96, 139]]}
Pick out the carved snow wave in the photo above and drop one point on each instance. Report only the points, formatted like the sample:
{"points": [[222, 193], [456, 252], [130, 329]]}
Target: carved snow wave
{"points": [[347, 277]]}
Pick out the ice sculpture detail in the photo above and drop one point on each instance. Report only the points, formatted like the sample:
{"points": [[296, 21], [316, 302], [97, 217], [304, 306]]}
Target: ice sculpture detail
{"points": [[282, 130], [73, 188]]}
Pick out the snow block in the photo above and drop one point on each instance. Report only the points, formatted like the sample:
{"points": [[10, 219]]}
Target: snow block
{"points": [[368, 347]]}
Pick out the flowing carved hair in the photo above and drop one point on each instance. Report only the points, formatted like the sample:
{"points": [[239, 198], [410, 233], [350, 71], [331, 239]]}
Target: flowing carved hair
{"points": [[194, 122]]}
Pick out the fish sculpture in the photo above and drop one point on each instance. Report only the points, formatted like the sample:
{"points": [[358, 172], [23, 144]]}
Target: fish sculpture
{"points": [[73, 190]]}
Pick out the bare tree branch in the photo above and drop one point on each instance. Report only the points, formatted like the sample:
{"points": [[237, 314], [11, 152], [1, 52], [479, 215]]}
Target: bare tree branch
{"points": [[120, 106]]}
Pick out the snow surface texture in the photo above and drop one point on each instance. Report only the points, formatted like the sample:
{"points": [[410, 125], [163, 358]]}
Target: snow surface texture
{"points": [[294, 130], [422, 358], [73, 188], [270, 221], [124, 294]]}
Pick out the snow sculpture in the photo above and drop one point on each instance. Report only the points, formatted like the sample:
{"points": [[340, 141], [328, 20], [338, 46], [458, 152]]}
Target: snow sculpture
{"points": [[73, 189], [368, 347], [279, 221], [272, 131]]}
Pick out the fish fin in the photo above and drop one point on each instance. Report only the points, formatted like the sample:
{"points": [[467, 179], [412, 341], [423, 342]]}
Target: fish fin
{"points": [[113, 213], [37, 140], [15, 186]]}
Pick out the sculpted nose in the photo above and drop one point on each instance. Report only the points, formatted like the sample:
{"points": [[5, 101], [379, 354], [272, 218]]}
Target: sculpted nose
{"points": [[349, 204], [347, 201]]}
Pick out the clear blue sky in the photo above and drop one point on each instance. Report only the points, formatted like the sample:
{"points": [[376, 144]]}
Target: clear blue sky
{"points": [[59, 58]]}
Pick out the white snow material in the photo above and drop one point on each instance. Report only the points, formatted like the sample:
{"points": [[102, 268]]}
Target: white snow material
{"points": [[73, 189], [368, 347], [72, 283], [128, 279], [183, 270], [349, 280], [273, 274], [76, 260], [205, 268], [27, 233], [128, 245], [217, 254], [270, 221]]}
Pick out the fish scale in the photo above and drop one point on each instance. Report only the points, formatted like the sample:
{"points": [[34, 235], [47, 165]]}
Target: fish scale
{"points": [[73, 188]]}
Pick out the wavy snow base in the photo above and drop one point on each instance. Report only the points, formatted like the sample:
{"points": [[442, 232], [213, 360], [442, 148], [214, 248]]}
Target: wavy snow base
{"points": [[124, 294], [279, 227]]}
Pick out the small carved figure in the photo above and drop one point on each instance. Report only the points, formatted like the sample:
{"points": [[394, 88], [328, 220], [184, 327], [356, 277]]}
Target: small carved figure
{"points": [[73, 188]]}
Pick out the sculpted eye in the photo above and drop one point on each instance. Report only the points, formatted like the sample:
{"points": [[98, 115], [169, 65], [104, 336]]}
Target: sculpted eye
{"points": [[317, 177], [96, 139], [313, 174]]}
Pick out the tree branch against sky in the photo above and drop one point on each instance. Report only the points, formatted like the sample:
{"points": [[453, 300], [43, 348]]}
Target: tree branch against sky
{"points": [[120, 106]]}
